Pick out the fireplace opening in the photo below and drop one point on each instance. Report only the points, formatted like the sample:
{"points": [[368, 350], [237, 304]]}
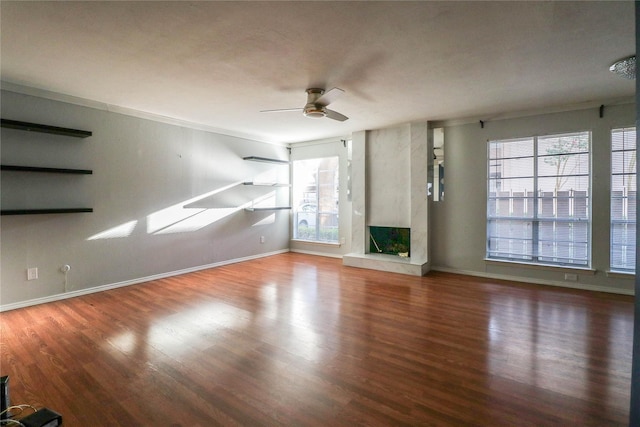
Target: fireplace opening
{"points": [[390, 240]]}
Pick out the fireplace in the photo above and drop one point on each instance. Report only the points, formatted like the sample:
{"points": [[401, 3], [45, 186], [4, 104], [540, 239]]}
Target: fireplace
{"points": [[389, 172], [390, 241]]}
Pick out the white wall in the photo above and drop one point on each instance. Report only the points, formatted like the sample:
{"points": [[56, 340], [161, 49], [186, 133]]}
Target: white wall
{"points": [[458, 228], [144, 173]]}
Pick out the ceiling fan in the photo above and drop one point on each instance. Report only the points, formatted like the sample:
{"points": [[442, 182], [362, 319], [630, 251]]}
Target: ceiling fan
{"points": [[316, 106]]}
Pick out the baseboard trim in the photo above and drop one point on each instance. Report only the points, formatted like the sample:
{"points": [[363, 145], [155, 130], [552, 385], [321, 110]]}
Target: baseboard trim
{"points": [[101, 288], [570, 285], [302, 251]]}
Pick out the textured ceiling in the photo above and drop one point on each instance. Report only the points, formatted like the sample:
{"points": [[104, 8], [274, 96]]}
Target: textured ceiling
{"points": [[218, 64]]}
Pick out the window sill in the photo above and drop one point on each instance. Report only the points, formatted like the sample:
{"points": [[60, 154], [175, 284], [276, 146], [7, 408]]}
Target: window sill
{"points": [[314, 242], [621, 274], [582, 270]]}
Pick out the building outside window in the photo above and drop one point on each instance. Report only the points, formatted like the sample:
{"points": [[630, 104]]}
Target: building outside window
{"points": [[315, 199], [538, 205], [623, 200]]}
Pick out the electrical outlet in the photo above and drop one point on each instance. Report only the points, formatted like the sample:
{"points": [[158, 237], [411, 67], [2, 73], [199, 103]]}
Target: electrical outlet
{"points": [[261, 239], [32, 273], [571, 277]]}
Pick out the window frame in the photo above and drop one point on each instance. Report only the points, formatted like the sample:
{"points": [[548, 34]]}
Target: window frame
{"points": [[321, 217], [624, 205], [531, 205]]}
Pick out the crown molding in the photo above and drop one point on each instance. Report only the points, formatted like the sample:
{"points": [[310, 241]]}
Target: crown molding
{"points": [[89, 103], [534, 112]]}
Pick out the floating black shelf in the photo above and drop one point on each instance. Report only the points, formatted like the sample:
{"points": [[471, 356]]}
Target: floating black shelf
{"points": [[55, 130], [266, 160], [274, 208], [36, 127], [15, 168], [44, 211]]}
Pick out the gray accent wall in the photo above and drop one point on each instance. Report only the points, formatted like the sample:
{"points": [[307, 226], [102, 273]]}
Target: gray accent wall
{"points": [[166, 199], [458, 227]]}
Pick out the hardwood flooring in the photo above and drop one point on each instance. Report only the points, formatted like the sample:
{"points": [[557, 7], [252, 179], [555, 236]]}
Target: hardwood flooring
{"points": [[298, 340]]}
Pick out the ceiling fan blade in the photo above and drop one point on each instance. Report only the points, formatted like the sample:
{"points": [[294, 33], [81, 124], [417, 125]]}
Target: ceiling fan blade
{"points": [[282, 110], [335, 115], [329, 96]]}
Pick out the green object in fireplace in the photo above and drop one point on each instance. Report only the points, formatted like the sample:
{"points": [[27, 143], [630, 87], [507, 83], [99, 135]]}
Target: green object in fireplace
{"points": [[390, 240]]}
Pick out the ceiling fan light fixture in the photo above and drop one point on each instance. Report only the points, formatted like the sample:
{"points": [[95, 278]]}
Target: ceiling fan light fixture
{"points": [[316, 106], [314, 112], [625, 67]]}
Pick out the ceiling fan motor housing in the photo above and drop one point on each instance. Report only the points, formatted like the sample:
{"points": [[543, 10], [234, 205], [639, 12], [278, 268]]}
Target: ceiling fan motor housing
{"points": [[312, 109], [316, 106]]}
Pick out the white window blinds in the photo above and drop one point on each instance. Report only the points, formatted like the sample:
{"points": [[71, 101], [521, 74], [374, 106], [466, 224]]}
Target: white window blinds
{"points": [[538, 204], [623, 199]]}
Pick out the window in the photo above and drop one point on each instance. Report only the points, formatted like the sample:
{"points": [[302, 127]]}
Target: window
{"points": [[623, 199], [315, 199], [538, 200]]}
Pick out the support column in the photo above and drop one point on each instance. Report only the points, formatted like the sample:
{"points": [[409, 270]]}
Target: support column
{"points": [[358, 193]]}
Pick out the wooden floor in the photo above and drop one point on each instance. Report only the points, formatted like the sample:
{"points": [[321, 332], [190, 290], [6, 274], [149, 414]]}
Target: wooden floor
{"points": [[298, 340]]}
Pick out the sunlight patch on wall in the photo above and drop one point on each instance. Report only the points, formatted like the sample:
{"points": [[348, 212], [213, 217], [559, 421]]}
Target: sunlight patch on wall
{"points": [[168, 217], [266, 221], [273, 175], [266, 201], [199, 220], [172, 215], [119, 231]]}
